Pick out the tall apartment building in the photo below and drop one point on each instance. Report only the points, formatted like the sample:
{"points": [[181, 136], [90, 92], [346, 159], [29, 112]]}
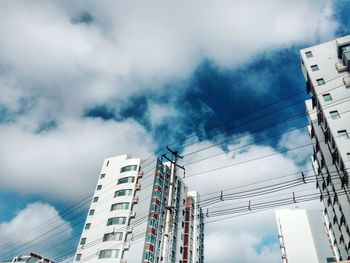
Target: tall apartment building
{"points": [[136, 215], [193, 243], [326, 69], [303, 237]]}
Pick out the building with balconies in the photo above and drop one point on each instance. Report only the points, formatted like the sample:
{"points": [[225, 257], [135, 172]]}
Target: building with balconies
{"points": [[326, 70], [127, 216], [193, 241]]}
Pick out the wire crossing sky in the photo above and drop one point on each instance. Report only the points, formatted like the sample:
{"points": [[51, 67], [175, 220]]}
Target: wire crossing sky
{"points": [[83, 81]]}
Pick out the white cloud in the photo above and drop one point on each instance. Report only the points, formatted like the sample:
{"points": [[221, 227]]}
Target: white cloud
{"points": [[295, 139], [64, 162], [62, 68], [157, 113], [250, 172], [31, 225], [242, 239], [130, 47], [223, 247]]}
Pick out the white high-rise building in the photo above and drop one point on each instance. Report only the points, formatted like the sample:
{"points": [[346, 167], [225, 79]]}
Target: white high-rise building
{"points": [[326, 70], [303, 237], [193, 244], [126, 221]]}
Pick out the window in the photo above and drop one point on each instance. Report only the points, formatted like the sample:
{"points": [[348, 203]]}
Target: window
{"points": [[319, 81], [308, 54], [348, 154], [154, 207], [327, 97], [107, 163], [128, 168], [345, 48], [314, 68], [95, 199], [82, 241], [153, 223], [78, 257], [102, 176], [126, 180], [116, 221], [108, 253], [334, 114], [87, 226], [149, 256], [120, 206], [99, 187], [343, 135], [113, 236], [91, 212], [151, 239], [157, 194], [124, 192]]}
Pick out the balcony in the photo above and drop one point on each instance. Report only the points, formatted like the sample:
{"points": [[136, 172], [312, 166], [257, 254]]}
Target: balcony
{"points": [[135, 199], [126, 246], [340, 67], [140, 174], [132, 214], [346, 81]]}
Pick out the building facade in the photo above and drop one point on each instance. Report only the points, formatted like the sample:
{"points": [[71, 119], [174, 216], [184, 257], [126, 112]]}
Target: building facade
{"points": [[32, 258], [193, 243], [326, 70], [130, 219], [303, 237]]}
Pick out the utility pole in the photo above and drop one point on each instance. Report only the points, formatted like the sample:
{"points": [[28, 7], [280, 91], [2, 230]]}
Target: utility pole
{"points": [[165, 255]]}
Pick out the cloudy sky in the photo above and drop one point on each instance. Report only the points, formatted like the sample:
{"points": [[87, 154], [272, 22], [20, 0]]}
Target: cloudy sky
{"points": [[82, 81]]}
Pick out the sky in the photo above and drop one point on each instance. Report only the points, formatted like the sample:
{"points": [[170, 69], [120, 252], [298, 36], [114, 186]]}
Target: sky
{"points": [[85, 80]]}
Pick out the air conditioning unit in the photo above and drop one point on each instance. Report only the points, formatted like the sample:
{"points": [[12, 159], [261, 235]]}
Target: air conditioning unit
{"points": [[140, 174], [129, 229], [137, 186], [346, 81], [135, 199], [126, 246], [340, 67], [123, 261], [132, 214]]}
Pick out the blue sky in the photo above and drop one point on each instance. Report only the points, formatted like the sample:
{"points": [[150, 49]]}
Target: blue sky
{"points": [[81, 82]]}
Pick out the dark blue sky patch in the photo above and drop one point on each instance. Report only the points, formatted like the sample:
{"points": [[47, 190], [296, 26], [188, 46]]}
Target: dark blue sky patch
{"points": [[232, 94], [266, 91], [4, 114], [342, 15], [83, 18], [47, 125], [18, 203], [102, 111]]}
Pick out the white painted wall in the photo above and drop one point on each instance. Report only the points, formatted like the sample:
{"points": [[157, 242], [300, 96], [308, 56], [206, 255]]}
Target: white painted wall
{"points": [[304, 236]]}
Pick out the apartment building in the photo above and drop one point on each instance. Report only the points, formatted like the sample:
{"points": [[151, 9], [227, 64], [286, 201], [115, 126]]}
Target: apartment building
{"points": [[31, 258], [303, 236], [326, 70], [193, 243], [130, 219]]}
